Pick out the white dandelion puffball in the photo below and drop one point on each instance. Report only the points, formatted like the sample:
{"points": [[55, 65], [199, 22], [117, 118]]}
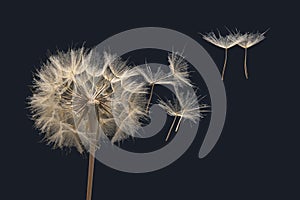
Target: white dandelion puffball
{"points": [[79, 97]]}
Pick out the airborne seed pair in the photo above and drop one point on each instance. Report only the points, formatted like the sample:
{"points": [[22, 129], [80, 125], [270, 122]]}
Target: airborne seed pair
{"points": [[245, 41]]}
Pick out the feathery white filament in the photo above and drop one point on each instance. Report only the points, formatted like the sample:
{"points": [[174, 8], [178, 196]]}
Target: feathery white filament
{"points": [[224, 42], [75, 97], [250, 39], [185, 106]]}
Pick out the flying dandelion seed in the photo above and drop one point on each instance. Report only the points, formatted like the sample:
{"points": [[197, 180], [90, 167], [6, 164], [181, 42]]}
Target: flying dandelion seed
{"points": [[179, 69], [178, 74], [249, 40], [224, 42], [184, 106], [155, 78]]}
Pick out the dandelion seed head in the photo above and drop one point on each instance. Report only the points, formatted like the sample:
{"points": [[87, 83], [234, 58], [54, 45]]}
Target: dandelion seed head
{"points": [[224, 42], [250, 39], [74, 98]]}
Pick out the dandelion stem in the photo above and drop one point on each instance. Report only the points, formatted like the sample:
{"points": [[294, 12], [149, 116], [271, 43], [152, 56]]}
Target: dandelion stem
{"points": [[150, 97], [90, 174], [171, 128], [224, 67], [93, 128], [178, 124], [245, 64]]}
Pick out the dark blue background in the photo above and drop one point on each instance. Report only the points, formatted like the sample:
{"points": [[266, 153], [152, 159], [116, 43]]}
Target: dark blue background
{"points": [[257, 154]]}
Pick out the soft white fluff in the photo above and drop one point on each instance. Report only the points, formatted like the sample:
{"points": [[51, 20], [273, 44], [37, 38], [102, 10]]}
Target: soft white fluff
{"points": [[224, 42], [185, 105], [250, 39], [79, 96], [179, 69]]}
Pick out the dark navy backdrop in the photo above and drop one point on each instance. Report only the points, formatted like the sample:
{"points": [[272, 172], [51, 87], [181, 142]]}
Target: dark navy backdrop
{"points": [[256, 156]]}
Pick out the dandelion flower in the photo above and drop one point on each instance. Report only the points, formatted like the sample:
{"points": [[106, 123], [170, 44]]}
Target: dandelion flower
{"points": [[80, 96]]}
